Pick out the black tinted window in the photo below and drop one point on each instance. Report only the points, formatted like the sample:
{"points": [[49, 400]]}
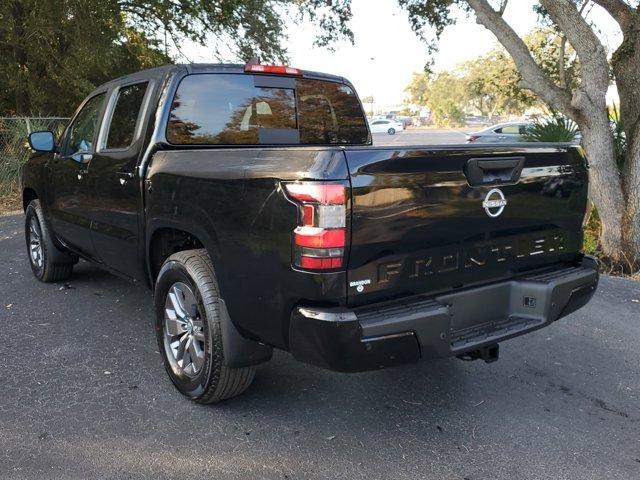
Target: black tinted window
{"points": [[82, 131], [125, 116], [329, 113], [228, 109]]}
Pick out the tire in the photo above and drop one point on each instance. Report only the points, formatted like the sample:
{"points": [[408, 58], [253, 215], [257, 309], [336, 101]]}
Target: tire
{"points": [[187, 283], [391, 131], [48, 262]]}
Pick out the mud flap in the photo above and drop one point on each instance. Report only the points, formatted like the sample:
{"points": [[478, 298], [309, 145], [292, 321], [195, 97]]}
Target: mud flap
{"points": [[239, 351]]}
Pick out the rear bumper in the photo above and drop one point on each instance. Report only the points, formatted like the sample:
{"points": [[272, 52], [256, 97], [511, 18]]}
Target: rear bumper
{"points": [[451, 324]]}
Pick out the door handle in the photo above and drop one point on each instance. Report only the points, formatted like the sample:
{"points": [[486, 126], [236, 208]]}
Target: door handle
{"points": [[493, 171]]}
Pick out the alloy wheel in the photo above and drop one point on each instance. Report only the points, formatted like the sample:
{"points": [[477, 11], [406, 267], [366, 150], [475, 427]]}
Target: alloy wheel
{"points": [[36, 253], [183, 331]]}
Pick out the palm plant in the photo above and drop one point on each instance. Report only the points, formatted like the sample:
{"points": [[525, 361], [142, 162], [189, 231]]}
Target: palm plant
{"points": [[556, 128], [619, 137]]}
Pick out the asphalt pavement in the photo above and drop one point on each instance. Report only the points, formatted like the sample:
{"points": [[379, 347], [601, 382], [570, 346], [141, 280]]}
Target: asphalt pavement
{"points": [[83, 395], [420, 136]]}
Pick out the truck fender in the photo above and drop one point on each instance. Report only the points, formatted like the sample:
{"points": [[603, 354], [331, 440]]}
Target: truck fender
{"points": [[239, 351]]}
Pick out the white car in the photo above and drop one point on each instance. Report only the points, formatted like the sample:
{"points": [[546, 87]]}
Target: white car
{"points": [[385, 125], [500, 133]]}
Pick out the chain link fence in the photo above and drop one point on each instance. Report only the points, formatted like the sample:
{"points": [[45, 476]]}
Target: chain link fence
{"points": [[14, 148]]}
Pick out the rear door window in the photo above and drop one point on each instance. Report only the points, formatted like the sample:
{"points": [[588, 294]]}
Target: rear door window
{"points": [[511, 129], [228, 109], [125, 117]]}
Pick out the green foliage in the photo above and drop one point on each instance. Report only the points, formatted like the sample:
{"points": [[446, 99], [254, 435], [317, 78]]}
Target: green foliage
{"points": [[590, 243], [14, 149], [492, 85], [418, 88], [53, 53], [554, 129], [443, 99], [428, 20], [619, 137], [545, 45]]}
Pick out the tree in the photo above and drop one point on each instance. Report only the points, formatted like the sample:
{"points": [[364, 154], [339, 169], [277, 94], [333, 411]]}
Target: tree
{"points": [[370, 100], [445, 92], [53, 53], [492, 85], [616, 194], [488, 84], [417, 89]]}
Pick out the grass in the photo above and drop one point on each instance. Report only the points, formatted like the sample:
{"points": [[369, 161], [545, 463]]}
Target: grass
{"points": [[10, 202], [14, 151]]}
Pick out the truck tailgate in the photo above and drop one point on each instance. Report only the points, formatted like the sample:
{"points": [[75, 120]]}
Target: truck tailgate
{"points": [[427, 219]]}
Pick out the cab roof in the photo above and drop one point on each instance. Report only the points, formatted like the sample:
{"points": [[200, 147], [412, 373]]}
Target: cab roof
{"points": [[189, 68]]}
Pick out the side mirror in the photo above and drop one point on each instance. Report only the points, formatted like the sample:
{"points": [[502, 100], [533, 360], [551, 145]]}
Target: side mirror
{"points": [[42, 141]]}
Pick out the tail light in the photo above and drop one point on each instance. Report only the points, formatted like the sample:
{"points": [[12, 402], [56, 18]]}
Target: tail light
{"points": [[320, 238], [274, 69], [472, 138]]}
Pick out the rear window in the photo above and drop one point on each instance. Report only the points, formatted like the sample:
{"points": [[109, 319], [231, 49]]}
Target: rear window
{"points": [[228, 109]]}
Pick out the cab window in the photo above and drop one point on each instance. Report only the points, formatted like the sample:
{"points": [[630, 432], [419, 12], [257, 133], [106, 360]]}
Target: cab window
{"points": [[125, 117], [82, 131], [229, 109]]}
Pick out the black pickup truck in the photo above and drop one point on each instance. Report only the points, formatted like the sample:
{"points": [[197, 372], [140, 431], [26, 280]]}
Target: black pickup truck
{"points": [[249, 198]]}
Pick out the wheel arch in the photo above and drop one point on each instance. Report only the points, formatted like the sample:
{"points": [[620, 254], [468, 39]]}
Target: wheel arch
{"points": [[28, 195], [167, 238]]}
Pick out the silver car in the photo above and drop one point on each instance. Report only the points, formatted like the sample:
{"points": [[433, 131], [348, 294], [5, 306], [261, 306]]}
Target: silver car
{"points": [[500, 133]]}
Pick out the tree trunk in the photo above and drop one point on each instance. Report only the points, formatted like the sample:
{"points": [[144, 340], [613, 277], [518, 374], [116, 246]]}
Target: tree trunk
{"points": [[605, 184], [626, 68], [631, 219]]}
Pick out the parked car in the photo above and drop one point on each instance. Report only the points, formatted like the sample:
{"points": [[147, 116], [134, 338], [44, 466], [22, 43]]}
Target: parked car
{"points": [[384, 125], [405, 121], [477, 120], [499, 133], [250, 200]]}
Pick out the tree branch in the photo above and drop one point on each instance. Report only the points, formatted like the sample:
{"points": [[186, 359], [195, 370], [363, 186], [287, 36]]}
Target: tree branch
{"points": [[592, 54], [620, 11], [503, 7], [562, 71], [533, 77]]}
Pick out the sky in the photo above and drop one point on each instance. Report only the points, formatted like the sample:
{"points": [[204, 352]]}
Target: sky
{"points": [[386, 51]]}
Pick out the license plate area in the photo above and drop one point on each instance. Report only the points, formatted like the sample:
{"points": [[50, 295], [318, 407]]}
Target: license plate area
{"points": [[477, 307]]}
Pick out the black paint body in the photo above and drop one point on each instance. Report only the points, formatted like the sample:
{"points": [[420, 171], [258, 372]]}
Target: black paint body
{"points": [[416, 227]]}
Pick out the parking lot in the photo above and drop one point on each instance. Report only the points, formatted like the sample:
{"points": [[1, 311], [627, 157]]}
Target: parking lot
{"points": [[83, 394], [421, 136]]}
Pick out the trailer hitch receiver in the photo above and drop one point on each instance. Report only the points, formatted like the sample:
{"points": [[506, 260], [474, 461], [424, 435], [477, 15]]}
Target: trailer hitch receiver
{"points": [[489, 353]]}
